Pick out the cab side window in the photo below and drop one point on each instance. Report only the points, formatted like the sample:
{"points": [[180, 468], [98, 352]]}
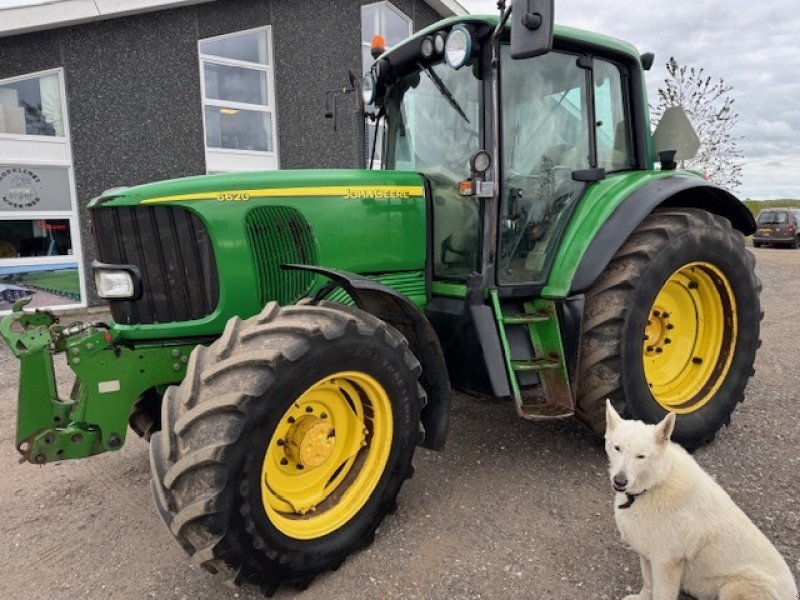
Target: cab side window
{"points": [[612, 125]]}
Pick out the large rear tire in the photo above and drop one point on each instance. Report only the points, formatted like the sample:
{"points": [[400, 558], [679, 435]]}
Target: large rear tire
{"points": [[287, 442], [672, 325]]}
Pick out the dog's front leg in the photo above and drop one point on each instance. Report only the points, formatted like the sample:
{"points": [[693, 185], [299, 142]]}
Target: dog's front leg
{"points": [[647, 582], [666, 579]]}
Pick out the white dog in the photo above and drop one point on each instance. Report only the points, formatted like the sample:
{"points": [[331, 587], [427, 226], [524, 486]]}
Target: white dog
{"points": [[689, 534]]}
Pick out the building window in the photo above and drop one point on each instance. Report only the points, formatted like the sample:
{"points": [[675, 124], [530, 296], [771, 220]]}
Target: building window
{"points": [[385, 19], [39, 236], [239, 101], [32, 106]]}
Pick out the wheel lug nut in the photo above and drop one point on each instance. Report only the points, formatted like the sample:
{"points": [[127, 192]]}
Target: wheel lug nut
{"points": [[656, 313], [667, 341], [670, 326], [300, 467], [659, 350], [284, 461], [323, 415], [290, 419], [309, 409], [665, 315], [649, 348], [281, 442]]}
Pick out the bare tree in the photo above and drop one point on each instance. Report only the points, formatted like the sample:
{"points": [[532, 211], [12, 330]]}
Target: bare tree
{"points": [[709, 106]]}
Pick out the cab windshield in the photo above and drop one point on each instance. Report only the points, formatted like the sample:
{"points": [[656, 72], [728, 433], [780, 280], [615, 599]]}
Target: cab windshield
{"points": [[433, 124]]}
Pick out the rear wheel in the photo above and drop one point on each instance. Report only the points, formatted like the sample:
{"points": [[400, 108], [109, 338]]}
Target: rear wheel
{"points": [[287, 442], [672, 325]]}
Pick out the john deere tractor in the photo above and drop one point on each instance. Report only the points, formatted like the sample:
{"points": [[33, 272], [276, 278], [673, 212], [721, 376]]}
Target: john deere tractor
{"points": [[285, 340]]}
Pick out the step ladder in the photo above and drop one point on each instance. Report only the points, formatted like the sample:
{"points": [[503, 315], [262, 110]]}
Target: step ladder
{"points": [[552, 399]]}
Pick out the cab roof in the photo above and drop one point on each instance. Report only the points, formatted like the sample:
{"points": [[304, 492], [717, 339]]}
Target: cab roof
{"points": [[561, 33]]}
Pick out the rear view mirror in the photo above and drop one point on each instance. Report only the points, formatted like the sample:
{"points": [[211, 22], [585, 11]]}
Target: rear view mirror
{"points": [[531, 28], [675, 132]]}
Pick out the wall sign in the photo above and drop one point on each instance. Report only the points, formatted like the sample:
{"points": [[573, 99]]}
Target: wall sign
{"points": [[24, 188]]}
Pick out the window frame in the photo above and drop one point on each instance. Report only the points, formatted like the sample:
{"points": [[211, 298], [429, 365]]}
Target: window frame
{"points": [[251, 157], [56, 139], [26, 148]]}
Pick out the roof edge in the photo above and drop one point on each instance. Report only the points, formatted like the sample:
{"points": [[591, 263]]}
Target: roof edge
{"points": [[52, 14], [447, 8]]}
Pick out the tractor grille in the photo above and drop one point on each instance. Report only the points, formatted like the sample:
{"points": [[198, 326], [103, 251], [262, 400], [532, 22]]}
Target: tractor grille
{"points": [[171, 248], [280, 235]]}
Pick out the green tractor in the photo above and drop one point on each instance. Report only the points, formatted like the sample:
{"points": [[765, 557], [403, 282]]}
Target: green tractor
{"points": [[285, 340]]}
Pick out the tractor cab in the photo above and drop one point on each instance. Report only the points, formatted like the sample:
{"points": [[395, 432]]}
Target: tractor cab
{"points": [[545, 126], [510, 132]]}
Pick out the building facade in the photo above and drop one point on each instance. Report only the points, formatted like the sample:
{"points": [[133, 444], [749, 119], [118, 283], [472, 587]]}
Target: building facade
{"points": [[94, 96]]}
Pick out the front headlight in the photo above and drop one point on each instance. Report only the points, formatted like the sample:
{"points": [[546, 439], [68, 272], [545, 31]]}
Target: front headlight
{"points": [[368, 88], [458, 47], [116, 283]]}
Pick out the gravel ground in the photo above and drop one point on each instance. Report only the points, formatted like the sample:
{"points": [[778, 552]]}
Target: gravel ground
{"points": [[510, 510]]}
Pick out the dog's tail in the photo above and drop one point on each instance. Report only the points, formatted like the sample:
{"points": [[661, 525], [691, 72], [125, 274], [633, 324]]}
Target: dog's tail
{"points": [[757, 588]]}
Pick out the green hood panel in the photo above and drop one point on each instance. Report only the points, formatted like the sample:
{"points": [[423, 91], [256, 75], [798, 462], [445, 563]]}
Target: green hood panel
{"points": [[366, 222], [200, 185]]}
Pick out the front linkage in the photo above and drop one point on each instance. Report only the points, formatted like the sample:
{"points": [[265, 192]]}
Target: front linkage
{"points": [[111, 377]]}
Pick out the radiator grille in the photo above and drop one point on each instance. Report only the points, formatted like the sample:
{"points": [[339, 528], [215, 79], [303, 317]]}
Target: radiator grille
{"points": [[171, 248], [279, 235]]}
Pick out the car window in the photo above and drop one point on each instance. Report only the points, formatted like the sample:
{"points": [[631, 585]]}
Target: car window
{"points": [[773, 217]]}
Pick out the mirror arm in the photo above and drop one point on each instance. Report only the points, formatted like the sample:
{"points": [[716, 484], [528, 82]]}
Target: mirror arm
{"points": [[505, 13]]}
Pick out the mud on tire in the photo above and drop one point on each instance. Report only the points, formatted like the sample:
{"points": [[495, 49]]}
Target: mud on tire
{"points": [[218, 424], [618, 307]]}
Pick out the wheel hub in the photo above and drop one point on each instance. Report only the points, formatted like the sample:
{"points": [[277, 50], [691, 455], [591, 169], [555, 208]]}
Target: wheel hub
{"points": [[657, 331], [310, 441], [327, 455], [689, 337]]}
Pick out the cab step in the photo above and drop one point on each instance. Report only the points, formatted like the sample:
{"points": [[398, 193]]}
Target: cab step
{"points": [[552, 397], [536, 364]]}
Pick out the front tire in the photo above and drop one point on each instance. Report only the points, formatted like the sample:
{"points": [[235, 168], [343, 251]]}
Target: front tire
{"points": [[672, 325], [287, 442]]}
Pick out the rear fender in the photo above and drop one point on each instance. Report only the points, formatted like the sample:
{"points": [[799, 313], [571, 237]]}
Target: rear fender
{"points": [[397, 310], [665, 192]]}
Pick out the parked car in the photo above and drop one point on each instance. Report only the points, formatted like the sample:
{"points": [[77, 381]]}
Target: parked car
{"points": [[778, 226]]}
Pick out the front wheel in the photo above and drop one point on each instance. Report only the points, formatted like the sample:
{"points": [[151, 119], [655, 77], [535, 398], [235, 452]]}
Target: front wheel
{"points": [[287, 442], [672, 325]]}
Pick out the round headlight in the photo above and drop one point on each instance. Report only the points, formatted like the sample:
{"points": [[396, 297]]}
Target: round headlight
{"points": [[458, 47], [427, 47], [368, 88], [438, 42]]}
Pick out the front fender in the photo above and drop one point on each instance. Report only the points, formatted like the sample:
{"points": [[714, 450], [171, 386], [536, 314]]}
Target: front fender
{"points": [[397, 310]]}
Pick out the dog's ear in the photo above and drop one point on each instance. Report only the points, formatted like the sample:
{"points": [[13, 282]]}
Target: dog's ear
{"points": [[665, 427], [612, 417]]}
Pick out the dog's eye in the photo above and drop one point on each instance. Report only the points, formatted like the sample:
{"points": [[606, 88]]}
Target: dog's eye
{"points": [[617, 449], [640, 456]]}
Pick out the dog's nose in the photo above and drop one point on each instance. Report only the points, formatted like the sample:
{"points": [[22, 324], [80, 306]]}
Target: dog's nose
{"points": [[620, 480]]}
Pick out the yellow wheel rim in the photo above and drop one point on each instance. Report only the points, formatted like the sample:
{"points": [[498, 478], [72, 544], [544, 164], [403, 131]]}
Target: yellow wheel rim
{"points": [[327, 455], [689, 337]]}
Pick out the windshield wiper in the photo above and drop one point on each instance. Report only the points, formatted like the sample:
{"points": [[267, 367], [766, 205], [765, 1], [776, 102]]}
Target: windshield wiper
{"points": [[439, 84]]}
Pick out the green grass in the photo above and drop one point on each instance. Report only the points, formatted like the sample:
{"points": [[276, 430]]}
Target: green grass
{"points": [[65, 280]]}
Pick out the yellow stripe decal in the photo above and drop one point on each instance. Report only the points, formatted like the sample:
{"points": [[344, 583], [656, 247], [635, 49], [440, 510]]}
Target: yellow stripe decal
{"points": [[343, 191]]}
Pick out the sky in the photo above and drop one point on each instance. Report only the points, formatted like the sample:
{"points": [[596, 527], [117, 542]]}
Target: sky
{"points": [[754, 46]]}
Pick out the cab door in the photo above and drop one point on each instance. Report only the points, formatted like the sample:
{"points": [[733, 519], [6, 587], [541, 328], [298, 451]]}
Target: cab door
{"points": [[563, 114]]}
